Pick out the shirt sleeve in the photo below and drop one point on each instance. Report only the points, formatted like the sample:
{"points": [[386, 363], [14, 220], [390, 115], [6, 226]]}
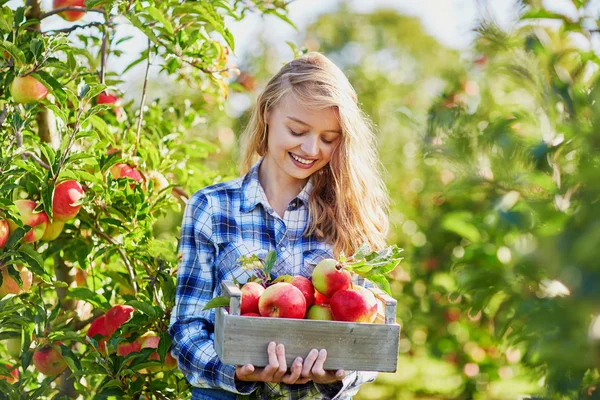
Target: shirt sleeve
{"points": [[347, 387], [191, 327]]}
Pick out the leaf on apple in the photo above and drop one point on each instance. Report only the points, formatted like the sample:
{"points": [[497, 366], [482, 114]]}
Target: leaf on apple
{"points": [[215, 302]]}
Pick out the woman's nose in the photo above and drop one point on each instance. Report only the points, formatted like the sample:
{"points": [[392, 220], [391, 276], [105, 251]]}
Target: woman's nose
{"points": [[310, 146]]}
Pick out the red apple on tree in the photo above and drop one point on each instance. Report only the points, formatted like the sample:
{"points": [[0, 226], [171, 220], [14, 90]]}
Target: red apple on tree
{"points": [[117, 316], [37, 220], [282, 300], [119, 171], [329, 276], [27, 90], [65, 198], [110, 99], [48, 360], [13, 377], [4, 232], [356, 304], [10, 286], [70, 15], [98, 327], [251, 292], [320, 312]]}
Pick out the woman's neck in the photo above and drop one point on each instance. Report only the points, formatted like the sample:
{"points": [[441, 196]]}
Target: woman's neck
{"points": [[279, 187]]}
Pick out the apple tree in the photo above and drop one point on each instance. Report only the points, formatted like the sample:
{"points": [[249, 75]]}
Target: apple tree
{"points": [[87, 280]]}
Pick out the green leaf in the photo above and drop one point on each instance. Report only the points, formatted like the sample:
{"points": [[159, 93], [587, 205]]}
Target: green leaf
{"points": [[381, 282], [219, 301], [459, 223], [34, 260], [143, 307], [270, 261], [70, 358], [91, 297]]}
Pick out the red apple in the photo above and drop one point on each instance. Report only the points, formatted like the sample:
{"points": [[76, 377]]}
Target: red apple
{"points": [[125, 348], [119, 171], [66, 195], [49, 361], [320, 299], [117, 316], [111, 99], [329, 276], [150, 340], [10, 286], [251, 314], [320, 312], [53, 230], [14, 374], [306, 287], [4, 232], [356, 304], [98, 327], [282, 300], [37, 220], [251, 292], [70, 15], [27, 90]]}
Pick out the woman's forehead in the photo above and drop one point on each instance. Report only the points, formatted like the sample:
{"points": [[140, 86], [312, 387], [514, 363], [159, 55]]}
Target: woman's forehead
{"points": [[289, 108]]}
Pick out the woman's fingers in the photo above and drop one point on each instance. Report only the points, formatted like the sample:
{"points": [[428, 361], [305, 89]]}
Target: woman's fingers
{"points": [[295, 371], [244, 371], [309, 362], [270, 370], [317, 369], [280, 350]]}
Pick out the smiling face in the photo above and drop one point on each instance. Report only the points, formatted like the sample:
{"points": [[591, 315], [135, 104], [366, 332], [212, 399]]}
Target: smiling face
{"points": [[300, 141]]}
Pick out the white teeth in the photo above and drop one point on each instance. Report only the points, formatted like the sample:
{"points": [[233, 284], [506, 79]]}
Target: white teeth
{"points": [[302, 160]]}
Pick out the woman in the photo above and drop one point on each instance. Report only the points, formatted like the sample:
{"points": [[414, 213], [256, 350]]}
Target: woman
{"points": [[311, 189]]}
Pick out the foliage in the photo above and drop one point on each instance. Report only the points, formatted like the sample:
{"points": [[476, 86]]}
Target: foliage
{"points": [[110, 253]]}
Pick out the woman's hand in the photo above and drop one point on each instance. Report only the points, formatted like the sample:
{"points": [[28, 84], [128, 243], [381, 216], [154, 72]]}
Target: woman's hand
{"points": [[312, 369], [276, 371]]}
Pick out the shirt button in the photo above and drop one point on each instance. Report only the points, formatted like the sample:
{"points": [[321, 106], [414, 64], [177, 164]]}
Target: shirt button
{"points": [[282, 248]]}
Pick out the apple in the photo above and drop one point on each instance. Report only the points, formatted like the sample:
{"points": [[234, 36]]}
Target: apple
{"points": [[37, 220], [14, 374], [13, 347], [117, 316], [80, 277], [66, 195], [53, 230], [98, 327], [69, 15], [158, 181], [329, 276], [119, 171], [306, 287], [4, 232], [320, 299], [49, 361], [125, 348], [251, 292], [150, 341], [320, 312], [282, 300], [10, 286], [27, 90], [356, 304], [251, 314], [111, 99]]}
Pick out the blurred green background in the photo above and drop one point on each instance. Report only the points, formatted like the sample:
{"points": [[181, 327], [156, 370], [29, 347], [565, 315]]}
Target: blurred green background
{"points": [[492, 158]]}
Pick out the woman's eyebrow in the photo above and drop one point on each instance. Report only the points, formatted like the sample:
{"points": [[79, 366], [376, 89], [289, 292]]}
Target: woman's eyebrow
{"points": [[305, 124]]}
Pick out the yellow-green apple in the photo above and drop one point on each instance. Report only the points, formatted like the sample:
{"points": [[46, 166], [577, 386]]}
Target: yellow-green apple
{"points": [[320, 311], [64, 201], [48, 360], [329, 276], [70, 15], [27, 90], [117, 316], [306, 287], [10, 286], [37, 220], [320, 299], [53, 230], [282, 300], [356, 304], [4, 232], [98, 327], [13, 377], [119, 171], [110, 99], [251, 292], [13, 347], [157, 180]]}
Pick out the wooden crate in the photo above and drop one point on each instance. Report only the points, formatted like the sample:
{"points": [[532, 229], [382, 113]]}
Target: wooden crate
{"points": [[351, 346]]}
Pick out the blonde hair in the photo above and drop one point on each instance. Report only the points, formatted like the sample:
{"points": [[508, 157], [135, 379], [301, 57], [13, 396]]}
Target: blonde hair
{"points": [[349, 203]]}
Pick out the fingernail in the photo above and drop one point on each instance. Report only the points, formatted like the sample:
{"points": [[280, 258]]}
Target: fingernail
{"points": [[298, 360], [323, 352], [280, 347]]}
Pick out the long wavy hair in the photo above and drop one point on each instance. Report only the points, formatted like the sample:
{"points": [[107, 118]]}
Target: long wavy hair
{"points": [[349, 204]]}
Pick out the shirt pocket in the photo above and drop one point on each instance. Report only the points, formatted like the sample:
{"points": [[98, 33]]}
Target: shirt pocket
{"points": [[227, 265]]}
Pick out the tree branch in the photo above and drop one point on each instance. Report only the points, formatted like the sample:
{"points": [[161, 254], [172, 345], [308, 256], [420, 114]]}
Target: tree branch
{"points": [[141, 116], [36, 159], [70, 8], [74, 27], [123, 257]]}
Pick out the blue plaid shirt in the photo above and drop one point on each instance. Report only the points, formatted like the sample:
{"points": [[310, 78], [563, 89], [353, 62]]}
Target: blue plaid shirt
{"points": [[221, 223]]}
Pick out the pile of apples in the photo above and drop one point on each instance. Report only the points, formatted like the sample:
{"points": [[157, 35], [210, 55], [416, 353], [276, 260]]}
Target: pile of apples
{"points": [[329, 296]]}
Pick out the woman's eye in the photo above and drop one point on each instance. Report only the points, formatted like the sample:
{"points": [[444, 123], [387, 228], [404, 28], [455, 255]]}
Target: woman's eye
{"points": [[295, 133], [327, 141]]}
